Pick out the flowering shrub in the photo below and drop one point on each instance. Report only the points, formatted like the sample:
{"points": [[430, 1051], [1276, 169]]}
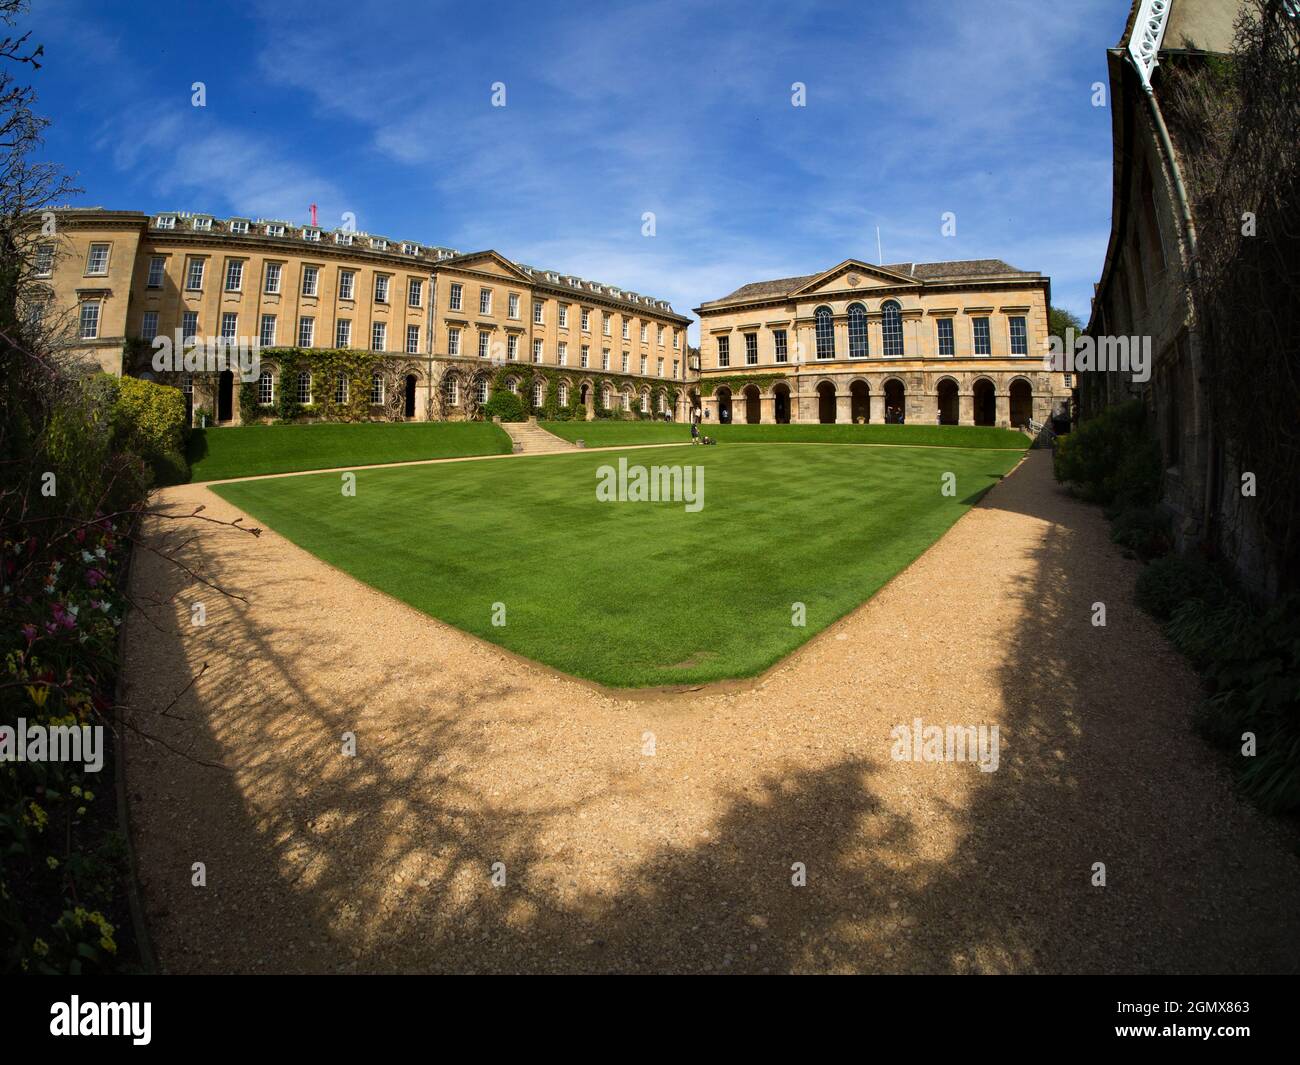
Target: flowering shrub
{"points": [[61, 855]]}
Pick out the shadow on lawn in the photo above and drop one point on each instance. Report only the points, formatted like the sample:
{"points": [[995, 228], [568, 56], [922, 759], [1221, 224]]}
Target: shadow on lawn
{"points": [[316, 863]]}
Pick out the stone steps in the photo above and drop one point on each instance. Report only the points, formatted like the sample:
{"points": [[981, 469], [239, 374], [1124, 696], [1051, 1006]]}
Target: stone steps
{"points": [[531, 438]]}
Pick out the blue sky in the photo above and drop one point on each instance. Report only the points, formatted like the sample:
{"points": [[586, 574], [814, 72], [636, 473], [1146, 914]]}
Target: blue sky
{"points": [[681, 108]]}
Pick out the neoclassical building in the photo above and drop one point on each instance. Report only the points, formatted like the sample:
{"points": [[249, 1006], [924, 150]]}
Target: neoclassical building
{"points": [[448, 324], [957, 343]]}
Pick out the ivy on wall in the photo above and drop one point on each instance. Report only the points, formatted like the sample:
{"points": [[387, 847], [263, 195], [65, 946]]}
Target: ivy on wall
{"points": [[740, 381]]}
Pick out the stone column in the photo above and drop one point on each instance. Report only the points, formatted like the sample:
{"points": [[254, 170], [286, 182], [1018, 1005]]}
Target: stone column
{"points": [[929, 409], [843, 407], [965, 409], [1002, 409], [767, 409], [877, 406]]}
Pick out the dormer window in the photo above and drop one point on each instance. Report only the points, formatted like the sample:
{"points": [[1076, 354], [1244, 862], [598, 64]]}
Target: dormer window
{"points": [[379, 243], [343, 238], [238, 225], [311, 234], [201, 224], [410, 249], [275, 229], [165, 221]]}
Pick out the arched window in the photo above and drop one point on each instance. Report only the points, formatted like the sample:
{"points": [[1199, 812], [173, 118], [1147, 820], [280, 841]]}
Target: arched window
{"points": [[857, 332], [513, 385], [564, 394], [451, 390], [604, 396], [482, 390], [825, 333], [627, 401], [645, 402], [341, 388], [304, 388], [539, 395], [891, 327], [265, 388]]}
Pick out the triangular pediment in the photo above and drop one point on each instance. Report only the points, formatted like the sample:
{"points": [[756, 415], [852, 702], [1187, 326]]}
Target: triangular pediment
{"points": [[853, 274], [489, 262]]}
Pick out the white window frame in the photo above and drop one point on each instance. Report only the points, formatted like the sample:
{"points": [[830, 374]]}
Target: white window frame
{"points": [[343, 333], [235, 275], [378, 336], [412, 340], [271, 282], [310, 280], [88, 320], [266, 338], [347, 284], [306, 328]]}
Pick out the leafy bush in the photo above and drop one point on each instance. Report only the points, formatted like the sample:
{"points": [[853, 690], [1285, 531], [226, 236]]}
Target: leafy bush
{"points": [[505, 405], [1111, 458], [1251, 663], [1143, 530], [1167, 583], [149, 420]]}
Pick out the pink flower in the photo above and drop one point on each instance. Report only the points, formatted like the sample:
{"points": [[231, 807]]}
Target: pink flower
{"points": [[93, 577], [29, 631]]}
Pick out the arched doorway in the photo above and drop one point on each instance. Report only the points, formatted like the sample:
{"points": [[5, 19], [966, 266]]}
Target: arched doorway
{"points": [[695, 405], [409, 408], [753, 405], [985, 404], [948, 402], [781, 404], [1022, 402], [895, 401], [860, 402], [826, 403], [724, 405], [225, 396]]}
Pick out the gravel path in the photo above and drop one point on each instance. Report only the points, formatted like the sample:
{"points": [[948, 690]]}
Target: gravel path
{"points": [[681, 860]]}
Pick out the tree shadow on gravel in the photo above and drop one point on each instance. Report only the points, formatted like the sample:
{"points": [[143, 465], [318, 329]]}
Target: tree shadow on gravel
{"points": [[382, 863]]}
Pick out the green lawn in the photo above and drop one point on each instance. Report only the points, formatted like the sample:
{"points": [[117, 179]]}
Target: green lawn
{"points": [[615, 433], [634, 594], [248, 450]]}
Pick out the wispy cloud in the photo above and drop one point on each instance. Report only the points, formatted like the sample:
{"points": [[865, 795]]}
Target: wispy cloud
{"points": [[670, 107]]}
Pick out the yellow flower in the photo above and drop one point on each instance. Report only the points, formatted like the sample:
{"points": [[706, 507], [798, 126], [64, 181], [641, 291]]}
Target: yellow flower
{"points": [[107, 944], [52, 862], [40, 948], [38, 695], [36, 816], [89, 796]]}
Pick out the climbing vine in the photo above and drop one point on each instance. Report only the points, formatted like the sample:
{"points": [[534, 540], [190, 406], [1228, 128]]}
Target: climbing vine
{"points": [[740, 381]]}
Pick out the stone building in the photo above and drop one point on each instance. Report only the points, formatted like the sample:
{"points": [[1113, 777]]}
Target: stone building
{"points": [[1146, 284], [446, 321], [953, 343]]}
